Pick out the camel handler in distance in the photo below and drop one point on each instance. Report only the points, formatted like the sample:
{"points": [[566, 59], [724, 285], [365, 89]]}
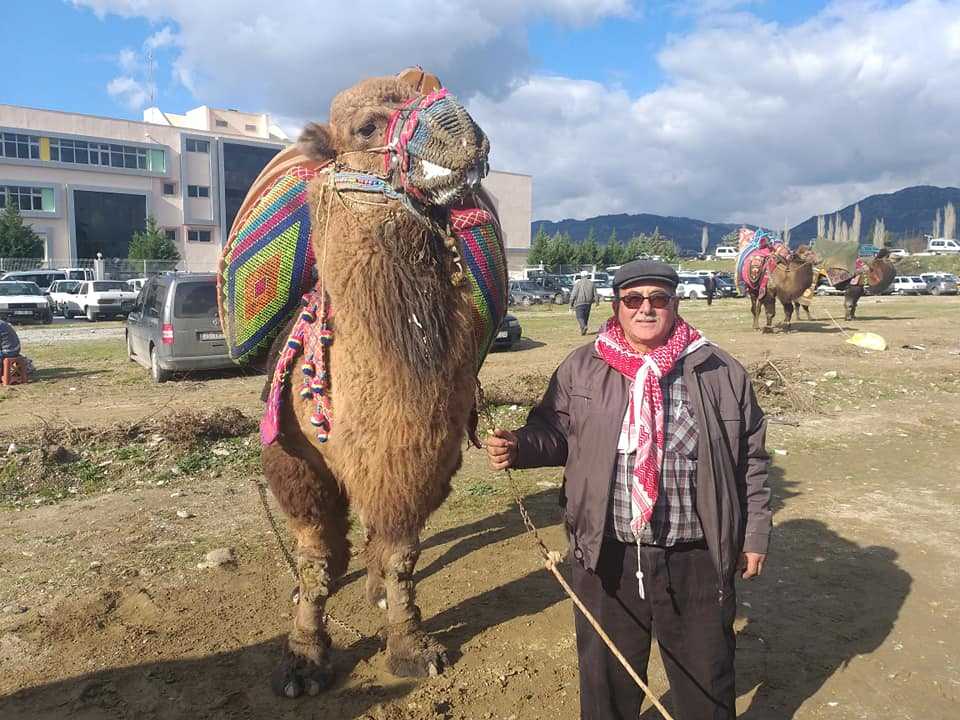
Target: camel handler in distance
{"points": [[665, 496], [582, 296]]}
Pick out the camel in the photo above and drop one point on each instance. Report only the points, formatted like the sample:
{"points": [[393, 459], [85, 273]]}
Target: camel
{"points": [[396, 364], [770, 271], [876, 274]]}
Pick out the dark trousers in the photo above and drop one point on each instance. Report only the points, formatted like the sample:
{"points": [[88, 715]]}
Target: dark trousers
{"points": [[583, 317], [710, 297], [694, 631]]}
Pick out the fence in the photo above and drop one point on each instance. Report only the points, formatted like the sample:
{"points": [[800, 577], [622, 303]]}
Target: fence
{"points": [[107, 268]]}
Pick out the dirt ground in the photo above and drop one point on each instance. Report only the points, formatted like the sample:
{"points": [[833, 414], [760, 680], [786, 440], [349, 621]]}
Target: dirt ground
{"points": [[106, 614]]}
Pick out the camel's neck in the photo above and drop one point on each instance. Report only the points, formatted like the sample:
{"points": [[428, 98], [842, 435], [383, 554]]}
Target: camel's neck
{"points": [[389, 281]]}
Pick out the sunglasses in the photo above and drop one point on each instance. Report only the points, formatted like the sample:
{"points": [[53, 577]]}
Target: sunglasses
{"points": [[634, 301]]}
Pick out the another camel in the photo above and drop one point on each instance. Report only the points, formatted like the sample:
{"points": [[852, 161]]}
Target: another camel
{"points": [[402, 367], [786, 280], [876, 276]]}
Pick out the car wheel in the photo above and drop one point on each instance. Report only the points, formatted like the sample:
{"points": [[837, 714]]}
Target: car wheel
{"points": [[693, 295], [91, 315], [158, 374], [526, 302], [68, 313], [935, 291], [558, 299]]}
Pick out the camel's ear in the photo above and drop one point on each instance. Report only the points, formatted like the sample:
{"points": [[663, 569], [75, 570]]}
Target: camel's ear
{"points": [[421, 81], [316, 142]]}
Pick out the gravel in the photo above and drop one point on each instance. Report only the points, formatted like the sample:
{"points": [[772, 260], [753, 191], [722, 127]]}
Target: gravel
{"points": [[51, 334]]}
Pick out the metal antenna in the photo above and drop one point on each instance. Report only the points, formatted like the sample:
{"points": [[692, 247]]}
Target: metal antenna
{"points": [[150, 82]]}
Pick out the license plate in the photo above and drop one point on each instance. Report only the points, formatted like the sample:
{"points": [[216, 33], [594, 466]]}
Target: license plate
{"points": [[211, 336], [502, 335]]}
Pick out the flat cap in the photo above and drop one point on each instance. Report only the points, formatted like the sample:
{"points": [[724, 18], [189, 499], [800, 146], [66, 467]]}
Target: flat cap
{"points": [[645, 271]]}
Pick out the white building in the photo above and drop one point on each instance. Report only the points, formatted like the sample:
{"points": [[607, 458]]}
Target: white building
{"points": [[87, 183]]}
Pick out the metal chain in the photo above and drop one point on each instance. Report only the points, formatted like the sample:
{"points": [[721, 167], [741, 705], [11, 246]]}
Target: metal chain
{"points": [[291, 563]]}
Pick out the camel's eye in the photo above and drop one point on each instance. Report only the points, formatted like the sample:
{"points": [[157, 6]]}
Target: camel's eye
{"points": [[368, 130]]}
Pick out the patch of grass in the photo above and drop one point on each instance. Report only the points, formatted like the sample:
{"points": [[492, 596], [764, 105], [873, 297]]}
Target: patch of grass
{"points": [[481, 489]]}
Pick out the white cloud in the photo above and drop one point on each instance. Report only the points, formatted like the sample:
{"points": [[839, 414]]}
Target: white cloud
{"points": [[162, 38], [133, 93], [755, 121]]}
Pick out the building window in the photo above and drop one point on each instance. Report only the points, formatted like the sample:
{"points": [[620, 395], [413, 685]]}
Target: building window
{"points": [[198, 191], [24, 147], [250, 128], [129, 157], [222, 123], [27, 199], [170, 234], [197, 146], [169, 188], [198, 236]]}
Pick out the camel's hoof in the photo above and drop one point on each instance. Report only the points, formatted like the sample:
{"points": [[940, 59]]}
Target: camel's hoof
{"points": [[416, 656], [767, 330], [295, 676]]}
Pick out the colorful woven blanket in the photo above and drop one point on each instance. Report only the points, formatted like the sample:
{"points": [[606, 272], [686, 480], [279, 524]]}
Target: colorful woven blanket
{"points": [[757, 259]]}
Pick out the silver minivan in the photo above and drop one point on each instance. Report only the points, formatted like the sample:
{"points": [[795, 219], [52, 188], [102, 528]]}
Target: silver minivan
{"points": [[174, 326]]}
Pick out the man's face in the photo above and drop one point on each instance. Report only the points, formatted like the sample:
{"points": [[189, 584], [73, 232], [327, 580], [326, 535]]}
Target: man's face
{"points": [[646, 327]]}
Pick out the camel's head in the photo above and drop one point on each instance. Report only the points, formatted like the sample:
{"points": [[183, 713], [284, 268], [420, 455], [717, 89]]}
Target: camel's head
{"points": [[409, 128], [804, 254]]}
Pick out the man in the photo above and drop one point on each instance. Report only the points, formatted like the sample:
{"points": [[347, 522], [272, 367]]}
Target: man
{"points": [[582, 296], [9, 341], [665, 496], [710, 285]]}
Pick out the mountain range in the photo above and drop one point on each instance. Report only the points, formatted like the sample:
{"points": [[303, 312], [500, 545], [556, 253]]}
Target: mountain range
{"points": [[906, 213]]}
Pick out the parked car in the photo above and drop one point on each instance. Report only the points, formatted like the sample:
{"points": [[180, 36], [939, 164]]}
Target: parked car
{"points": [[527, 292], [136, 284], [898, 253], [726, 252], [691, 287], [909, 285], [509, 333], [175, 326], [104, 299], [940, 283], [943, 246], [63, 297], [43, 278], [21, 301], [78, 273]]}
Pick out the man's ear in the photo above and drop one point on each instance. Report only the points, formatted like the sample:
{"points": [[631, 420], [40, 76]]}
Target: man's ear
{"points": [[316, 142]]}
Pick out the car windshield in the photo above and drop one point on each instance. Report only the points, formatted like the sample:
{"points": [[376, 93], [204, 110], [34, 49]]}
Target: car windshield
{"points": [[528, 285], [195, 300], [8, 289], [76, 275], [107, 285], [917, 279], [68, 286]]}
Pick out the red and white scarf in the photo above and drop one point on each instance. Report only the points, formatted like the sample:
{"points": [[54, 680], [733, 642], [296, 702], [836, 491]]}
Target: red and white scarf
{"points": [[643, 424]]}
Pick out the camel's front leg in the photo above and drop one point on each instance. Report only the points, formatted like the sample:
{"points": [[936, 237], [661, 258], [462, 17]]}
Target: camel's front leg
{"points": [[770, 308], [755, 311], [318, 521], [410, 651], [788, 315]]}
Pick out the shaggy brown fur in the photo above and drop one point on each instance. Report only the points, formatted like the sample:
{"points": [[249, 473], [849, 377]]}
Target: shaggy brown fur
{"points": [[403, 381], [787, 283], [879, 274]]}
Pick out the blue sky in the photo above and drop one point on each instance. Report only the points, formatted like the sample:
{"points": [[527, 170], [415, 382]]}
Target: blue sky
{"points": [[717, 109]]}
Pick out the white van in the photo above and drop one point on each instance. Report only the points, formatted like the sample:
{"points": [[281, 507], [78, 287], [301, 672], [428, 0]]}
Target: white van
{"points": [[726, 252], [939, 246]]}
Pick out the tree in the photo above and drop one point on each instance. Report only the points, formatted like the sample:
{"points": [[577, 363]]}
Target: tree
{"points": [[704, 240], [731, 239], [538, 247], [879, 233], [589, 252], [855, 226], [614, 252], [950, 221], [786, 233], [821, 227], [151, 244], [17, 240], [936, 224]]}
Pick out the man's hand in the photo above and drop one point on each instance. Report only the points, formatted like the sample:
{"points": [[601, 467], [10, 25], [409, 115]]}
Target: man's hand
{"points": [[751, 564], [501, 449]]}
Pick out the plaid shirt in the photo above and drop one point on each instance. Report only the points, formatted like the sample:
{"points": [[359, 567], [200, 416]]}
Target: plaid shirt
{"points": [[674, 517]]}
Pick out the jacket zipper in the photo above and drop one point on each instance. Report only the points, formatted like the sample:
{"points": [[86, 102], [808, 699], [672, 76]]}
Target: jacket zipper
{"points": [[716, 491]]}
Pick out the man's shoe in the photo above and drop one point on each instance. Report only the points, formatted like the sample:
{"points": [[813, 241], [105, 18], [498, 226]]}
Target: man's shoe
{"points": [[583, 331]]}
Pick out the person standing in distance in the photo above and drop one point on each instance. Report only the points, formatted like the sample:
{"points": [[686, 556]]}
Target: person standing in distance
{"points": [[665, 496], [582, 297]]}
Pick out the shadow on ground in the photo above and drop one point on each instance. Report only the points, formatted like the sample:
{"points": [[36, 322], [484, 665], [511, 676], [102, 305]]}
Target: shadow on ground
{"points": [[822, 601]]}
